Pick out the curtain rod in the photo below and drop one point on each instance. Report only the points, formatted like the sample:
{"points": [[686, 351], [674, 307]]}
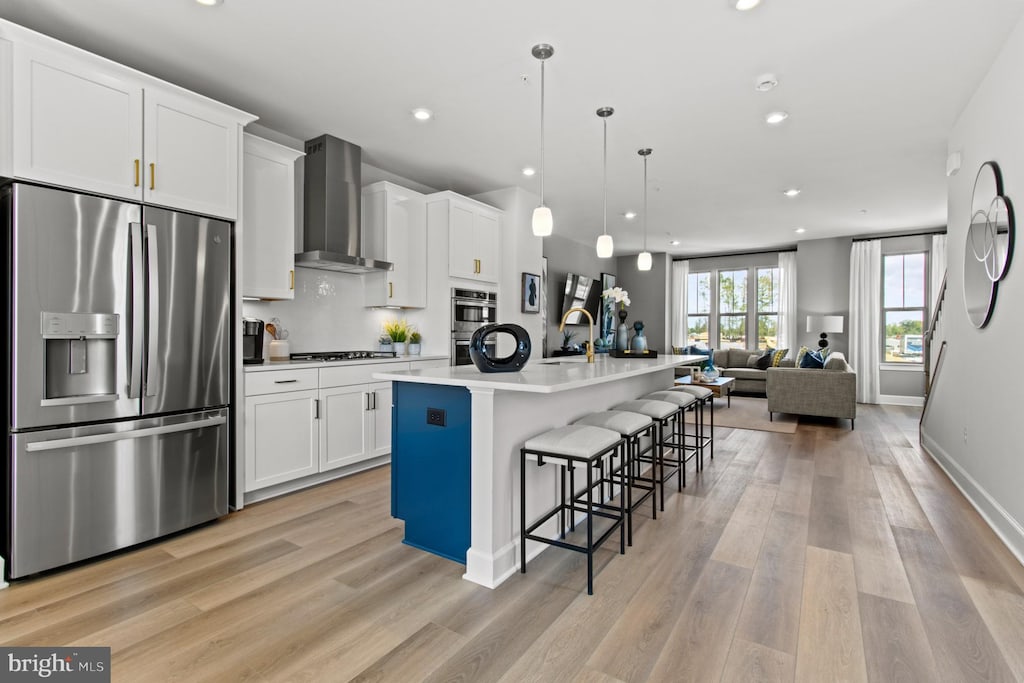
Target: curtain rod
{"points": [[885, 236], [734, 253]]}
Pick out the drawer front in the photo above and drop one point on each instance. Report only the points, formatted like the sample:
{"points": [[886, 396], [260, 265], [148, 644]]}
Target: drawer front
{"points": [[275, 381], [356, 374]]}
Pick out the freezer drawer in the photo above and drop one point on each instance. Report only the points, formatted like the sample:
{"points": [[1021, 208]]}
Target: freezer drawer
{"points": [[81, 492]]}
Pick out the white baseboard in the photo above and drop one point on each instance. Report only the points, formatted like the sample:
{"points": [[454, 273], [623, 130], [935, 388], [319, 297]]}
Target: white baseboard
{"points": [[894, 400], [1008, 529]]}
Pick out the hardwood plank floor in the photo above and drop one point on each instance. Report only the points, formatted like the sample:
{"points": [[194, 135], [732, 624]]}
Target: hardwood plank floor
{"points": [[824, 554]]}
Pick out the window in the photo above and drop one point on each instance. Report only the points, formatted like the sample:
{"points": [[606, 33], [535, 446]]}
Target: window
{"points": [[698, 308], [732, 309], [767, 308], [903, 307]]}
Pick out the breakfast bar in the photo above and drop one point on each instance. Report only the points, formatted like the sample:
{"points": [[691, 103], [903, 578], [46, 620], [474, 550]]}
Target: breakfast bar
{"points": [[456, 439]]}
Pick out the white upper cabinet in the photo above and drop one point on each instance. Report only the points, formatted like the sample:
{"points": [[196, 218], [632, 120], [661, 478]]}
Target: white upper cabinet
{"points": [[268, 215], [77, 123], [190, 153], [472, 235], [394, 229], [86, 123]]}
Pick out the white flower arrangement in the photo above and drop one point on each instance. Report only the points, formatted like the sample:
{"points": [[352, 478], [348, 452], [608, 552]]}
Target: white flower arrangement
{"points": [[618, 294]]}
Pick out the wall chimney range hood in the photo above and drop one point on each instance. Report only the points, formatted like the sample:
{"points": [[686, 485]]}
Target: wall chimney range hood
{"points": [[332, 206]]}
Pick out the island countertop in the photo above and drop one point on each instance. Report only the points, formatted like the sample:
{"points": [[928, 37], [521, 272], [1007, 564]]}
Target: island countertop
{"points": [[544, 376]]}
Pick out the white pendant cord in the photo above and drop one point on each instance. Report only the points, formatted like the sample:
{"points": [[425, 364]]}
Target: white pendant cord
{"points": [[645, 203], [542, 158], [605, 161]]}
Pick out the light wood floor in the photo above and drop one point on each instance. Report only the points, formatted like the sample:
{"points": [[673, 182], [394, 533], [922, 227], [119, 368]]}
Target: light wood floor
{"points": [[824, 555]]}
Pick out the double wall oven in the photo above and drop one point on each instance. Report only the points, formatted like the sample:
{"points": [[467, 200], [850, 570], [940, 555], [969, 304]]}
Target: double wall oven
{"points": [[471, 309]]}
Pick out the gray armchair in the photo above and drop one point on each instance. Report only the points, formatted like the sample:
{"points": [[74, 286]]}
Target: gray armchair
{"points": [[829, 392]]}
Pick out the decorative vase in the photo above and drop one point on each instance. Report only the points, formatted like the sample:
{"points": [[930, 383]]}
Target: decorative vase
{"points": [[639, 342], [711, 373], [622, 332], [414, 349], [399, 348]]}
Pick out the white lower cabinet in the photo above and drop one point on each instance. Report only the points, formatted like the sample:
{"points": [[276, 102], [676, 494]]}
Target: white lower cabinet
{"points": [[303, 422]]}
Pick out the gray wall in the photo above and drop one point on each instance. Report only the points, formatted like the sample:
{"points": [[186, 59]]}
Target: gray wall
{"points": [[649, 298], [823, 288], [972, 425], [565, 256]]}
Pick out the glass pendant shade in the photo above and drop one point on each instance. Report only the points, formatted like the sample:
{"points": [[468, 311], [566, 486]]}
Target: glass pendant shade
{"points": [[542, 221], [605, 246], [644, 260]]}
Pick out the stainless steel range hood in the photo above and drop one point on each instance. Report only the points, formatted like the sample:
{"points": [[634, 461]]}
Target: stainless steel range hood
{"points": [[332, 203]]}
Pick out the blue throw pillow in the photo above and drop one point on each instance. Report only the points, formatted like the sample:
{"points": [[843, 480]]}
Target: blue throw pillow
{"points": [[694, 350], [813, 360]]}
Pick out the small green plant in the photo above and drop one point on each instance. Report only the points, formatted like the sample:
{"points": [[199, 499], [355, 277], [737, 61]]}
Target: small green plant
{"points": [[415, 338], [398, 330], [384, 339], [567, 337]]}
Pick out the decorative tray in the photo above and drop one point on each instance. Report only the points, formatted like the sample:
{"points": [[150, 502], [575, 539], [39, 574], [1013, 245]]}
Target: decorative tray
{"points": [[626, 353]]}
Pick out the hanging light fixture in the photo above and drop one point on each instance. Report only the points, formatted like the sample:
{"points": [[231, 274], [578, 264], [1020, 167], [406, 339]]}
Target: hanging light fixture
{"points": [[605, 245], [542, 220], [644, 259]]}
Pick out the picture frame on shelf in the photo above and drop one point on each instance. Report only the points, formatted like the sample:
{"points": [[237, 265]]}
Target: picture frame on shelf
{"points": [[531, 293]]}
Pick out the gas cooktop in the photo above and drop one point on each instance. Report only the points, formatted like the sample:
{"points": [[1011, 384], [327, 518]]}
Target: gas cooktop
{"points": [[342, 355]]}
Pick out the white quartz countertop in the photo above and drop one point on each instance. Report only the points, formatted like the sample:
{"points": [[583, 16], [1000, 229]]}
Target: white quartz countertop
{"points": [[295, 364], [544, 376]]}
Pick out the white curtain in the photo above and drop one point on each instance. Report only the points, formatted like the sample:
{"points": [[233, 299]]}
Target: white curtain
{"points": [[866, 317], [680, 274], [788, 327], [937, 271]]}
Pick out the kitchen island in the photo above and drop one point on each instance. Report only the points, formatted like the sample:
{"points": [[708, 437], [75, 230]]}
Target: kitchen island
{"points": [[456, 439]]}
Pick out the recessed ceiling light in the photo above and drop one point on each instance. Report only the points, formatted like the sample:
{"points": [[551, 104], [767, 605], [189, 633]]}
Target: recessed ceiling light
{"points": [[744, 5], [674, 243], [765, 82], [210, 3], [529, 171], [422, 114], [863, 210], [791, 192], [630, 215], [800, 230], [776, 117]]}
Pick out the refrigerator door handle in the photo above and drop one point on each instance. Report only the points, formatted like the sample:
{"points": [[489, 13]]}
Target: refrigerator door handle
{"points": [[138, 295], [153, 282], [58, 444]]}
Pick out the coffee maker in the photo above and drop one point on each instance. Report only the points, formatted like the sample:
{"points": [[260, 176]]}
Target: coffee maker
{"points": [[252, 341]]}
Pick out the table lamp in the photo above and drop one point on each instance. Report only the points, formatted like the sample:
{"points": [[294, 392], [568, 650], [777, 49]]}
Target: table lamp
{"points": [[825, 323]]}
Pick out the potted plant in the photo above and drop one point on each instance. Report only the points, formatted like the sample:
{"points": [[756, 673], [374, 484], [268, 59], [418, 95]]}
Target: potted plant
{"points": [[398, 330], [415, 338], [385, 343], [567, 336]]}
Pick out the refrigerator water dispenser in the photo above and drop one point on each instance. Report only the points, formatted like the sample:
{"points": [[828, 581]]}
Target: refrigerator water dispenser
{"points": [[81, 362]]}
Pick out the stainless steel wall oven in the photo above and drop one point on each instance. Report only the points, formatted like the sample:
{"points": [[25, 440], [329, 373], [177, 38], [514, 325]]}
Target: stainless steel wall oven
{"points": [[471, 309]]}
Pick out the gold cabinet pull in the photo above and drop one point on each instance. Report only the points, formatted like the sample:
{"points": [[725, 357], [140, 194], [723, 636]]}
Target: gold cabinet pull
{"points": [[152, 176], [391, 290], [291, 277], [136, 173]]}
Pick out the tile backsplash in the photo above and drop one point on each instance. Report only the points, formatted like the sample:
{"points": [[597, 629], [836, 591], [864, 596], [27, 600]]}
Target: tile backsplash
{"points": [[328, 314]]}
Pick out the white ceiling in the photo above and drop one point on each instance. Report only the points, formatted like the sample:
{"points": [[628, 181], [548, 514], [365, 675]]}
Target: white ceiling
{"points": [[872, 88]]}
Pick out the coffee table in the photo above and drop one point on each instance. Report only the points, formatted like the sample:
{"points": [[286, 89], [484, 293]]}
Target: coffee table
{"points": [[719, 387]]}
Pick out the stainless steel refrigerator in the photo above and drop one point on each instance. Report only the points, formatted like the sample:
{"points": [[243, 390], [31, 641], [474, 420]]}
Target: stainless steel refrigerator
{"points": [[118, 367]]}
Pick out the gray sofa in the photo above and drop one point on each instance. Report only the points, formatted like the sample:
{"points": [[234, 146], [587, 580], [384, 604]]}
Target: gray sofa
{"points": [[828, 392], [733, 363]]}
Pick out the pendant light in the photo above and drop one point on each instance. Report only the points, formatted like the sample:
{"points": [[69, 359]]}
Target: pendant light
{"points": [[542, 220], [643, 259], [605, 245]]}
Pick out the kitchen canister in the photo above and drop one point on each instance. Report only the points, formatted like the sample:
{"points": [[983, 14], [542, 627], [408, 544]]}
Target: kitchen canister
{"points": [[279, 349]]}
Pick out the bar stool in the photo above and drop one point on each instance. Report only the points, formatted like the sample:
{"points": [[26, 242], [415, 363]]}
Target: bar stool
{"points": [[630, 426], [705, 397], [664, 414], [569, 447], [677, 441]]}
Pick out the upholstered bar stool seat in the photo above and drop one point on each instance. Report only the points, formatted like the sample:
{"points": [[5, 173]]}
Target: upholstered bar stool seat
{"points": [[567, 448], [705, 436], [630, 426]]}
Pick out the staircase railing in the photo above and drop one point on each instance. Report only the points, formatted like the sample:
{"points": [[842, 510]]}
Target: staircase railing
{"points": [[929, 335], [927, 396]]}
